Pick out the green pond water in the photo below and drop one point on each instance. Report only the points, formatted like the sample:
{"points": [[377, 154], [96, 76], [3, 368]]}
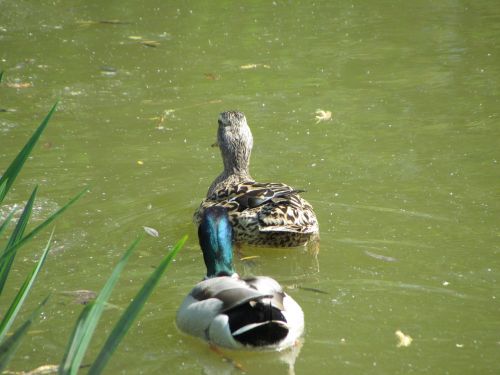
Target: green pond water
{"points": [[404, 177]]}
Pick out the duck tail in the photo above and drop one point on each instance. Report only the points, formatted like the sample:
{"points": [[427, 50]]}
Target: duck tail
{"points": [[258, 323]]}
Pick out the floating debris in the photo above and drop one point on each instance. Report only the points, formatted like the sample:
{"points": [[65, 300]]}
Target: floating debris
{"points": [[315, 290], [109, 71], [42, 370], [168, 112], [212, 76], [322, 115], [140, 162], [135, 37], [254, 66], [102, 22], [114, 22], [151, 231], [380, 257], [81, 296], [19, 85], [250, 257], [47, 145], [403, 340], [150, 43]]}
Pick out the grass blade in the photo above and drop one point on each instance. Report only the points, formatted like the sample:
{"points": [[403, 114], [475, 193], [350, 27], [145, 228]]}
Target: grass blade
{"points": [[8, 251], [131, 312], [87, 323], [17, 234], [14, 308], [77, 334], [7, 221], [9, 347], [14, 168]]}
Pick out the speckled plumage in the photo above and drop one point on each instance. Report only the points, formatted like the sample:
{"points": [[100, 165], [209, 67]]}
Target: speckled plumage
{"points": [[262, 214]]}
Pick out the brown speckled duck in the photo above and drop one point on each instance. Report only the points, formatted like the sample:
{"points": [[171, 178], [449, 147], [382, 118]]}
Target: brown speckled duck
{"points": [[262, 214]]}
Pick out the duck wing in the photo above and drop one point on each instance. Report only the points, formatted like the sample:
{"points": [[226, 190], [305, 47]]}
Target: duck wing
{"points": [[276, 207], [233, 292], [251, 194], [292, 214], [230, 291], [209, 300]]}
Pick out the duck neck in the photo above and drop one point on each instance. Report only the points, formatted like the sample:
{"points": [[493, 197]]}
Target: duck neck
{"points": [[215, 235], [228, 179], [236, 170]]}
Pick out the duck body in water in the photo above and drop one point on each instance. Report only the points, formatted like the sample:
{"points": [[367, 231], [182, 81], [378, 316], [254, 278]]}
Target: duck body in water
{"points": [[262, 214], [233, 312]]}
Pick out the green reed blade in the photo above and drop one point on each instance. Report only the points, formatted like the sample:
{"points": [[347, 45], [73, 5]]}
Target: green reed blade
{"points": [[134, 308], [10, 249], [87, 322], [9, 346], [14, 168], [14, 308], [7, 220], [76, 335], [17, 234]]}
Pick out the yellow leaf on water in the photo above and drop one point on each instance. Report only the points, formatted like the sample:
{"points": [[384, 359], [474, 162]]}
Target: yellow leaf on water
{"points": [[322, 115], [140, 162], [403, 340]]}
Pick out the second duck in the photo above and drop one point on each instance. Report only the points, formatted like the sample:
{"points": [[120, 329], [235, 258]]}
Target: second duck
{"points": [[262, 214]]}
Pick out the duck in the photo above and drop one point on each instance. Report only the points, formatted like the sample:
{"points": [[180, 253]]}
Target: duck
{"points": [[262, 214], [229, 311]]}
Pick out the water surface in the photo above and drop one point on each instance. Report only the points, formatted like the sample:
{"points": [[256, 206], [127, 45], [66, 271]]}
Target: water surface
{"points": [[404, 177]]}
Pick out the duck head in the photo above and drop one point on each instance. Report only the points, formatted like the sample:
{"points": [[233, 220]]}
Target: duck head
{"points": [[216, 235], [235, 141]]}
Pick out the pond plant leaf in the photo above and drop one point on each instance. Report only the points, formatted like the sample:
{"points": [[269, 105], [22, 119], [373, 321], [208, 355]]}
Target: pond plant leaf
{"points": [[14, 168], [134, 308], [15, 306], [89, 317], [7, 221], [10, 345], [8, 256]]}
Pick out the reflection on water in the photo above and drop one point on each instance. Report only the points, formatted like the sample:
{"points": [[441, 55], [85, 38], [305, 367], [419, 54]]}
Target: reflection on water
{"points": [[224, 361]]}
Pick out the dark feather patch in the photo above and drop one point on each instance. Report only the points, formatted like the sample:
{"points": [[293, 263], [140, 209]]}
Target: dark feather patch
{"points": [[255, 198], [258, 312]]}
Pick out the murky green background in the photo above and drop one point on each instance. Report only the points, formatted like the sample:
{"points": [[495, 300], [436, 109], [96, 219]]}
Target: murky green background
{"points": [[404, 178]]}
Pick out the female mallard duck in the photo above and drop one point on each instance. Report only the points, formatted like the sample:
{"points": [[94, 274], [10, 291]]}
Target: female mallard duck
{"points": [[266, 214], [234, 312]]}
